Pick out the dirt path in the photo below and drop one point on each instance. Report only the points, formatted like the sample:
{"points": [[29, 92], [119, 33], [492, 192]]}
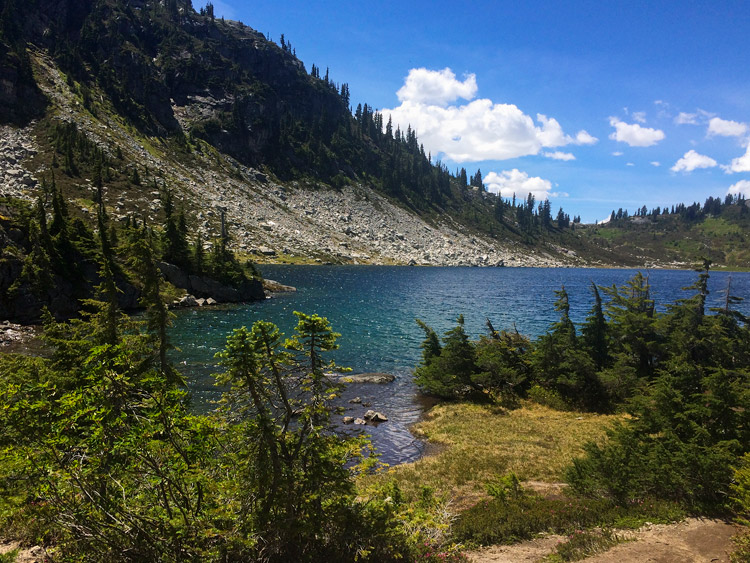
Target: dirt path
{"points": [[34, 554], [694, 540]]}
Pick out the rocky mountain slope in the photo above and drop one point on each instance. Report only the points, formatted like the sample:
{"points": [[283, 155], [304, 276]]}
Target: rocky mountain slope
{"points": [[153, 95], [269, 218]]}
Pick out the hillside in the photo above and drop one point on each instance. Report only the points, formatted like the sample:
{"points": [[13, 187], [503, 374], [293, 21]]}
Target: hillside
{"points": [[160, 96]]}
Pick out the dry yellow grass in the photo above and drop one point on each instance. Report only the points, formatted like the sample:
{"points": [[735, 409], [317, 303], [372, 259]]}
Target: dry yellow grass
{"points": [[476, 444]]}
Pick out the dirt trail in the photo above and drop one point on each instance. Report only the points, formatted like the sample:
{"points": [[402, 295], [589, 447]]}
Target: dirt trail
{"points": [[694, 540]]}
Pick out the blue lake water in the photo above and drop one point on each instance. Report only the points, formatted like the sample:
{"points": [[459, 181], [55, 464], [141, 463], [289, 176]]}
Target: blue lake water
{"points": [[374, 308]]}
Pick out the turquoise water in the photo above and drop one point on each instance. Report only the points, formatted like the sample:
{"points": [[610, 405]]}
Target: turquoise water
{"points": [[374, 308]]}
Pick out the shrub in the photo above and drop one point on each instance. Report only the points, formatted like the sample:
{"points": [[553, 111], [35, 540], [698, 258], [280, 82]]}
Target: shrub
{"points": [[512, 520]]}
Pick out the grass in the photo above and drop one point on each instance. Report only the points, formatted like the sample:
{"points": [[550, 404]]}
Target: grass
{"points": [[476, 444], [585, 543]]}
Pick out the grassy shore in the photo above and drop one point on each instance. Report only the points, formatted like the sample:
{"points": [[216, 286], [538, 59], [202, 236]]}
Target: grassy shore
{"points": [[475, 445]]}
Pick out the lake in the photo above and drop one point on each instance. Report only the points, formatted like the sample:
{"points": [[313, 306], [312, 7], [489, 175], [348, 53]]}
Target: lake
{"points": [[374, 308]]}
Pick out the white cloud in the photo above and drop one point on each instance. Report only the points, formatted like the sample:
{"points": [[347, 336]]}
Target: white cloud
{"points": [[473, 131], [436, 87], [726, 128], [509, 182], [583, 138], [655, 163], [639, 116], [629, 164], [633, 134], [617, 153], [686, 118], [739, 164], [559, 155], [692, 160], [741, 187]]}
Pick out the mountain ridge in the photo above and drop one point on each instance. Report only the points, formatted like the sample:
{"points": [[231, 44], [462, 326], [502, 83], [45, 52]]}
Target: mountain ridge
{"points": [[234, 124]]}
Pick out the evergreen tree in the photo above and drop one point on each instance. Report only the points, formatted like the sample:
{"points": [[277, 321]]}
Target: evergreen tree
{"points": [[595, 333], [448, 371]]}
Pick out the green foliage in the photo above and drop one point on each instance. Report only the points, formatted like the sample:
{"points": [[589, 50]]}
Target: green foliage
{"points": [[741, 553], [690, 424], [297, 499], [505, 365], [741, 489], [505, 488], [100, 456], [447, 371], [509, 520]]}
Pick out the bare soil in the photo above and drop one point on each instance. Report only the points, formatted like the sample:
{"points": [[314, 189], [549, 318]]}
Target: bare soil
{"points": [[694, 540], [36, 554]]}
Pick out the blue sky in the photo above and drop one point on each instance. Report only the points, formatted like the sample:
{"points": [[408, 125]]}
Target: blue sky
{"points": [[596, 105]]}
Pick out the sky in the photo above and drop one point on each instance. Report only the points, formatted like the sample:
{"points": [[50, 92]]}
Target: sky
{"points": [[594, 105]]}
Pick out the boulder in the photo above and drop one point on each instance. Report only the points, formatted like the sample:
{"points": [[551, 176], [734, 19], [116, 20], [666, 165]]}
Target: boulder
{"points": [[360, 421], [378, 378], [174, 275], [347, 419], [375, 416], [355, 400]]}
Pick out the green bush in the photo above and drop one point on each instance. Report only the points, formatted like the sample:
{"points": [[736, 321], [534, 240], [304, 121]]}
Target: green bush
{"points": [[499, 521], [585, 543]]}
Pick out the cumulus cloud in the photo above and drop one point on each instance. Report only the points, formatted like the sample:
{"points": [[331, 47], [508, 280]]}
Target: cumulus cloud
{"points": [[686, 118], [655, 163], [639, 116], [633, 134], [509, 182], [739, 164], [741, 187], [473, 131], [559, 155], [726, 128], [692, 160], [583, 138], [436, 87]]}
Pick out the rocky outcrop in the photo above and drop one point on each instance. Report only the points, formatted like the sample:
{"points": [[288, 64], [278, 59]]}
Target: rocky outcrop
{"points": [[275, 287], [205, 287], [62, 299]]}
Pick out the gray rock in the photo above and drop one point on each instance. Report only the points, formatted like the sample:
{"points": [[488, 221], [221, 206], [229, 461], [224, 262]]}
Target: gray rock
{"points": [[378, 378], [355, 400], [375, 416], [272, 285], [347, 419], [360, 421]]}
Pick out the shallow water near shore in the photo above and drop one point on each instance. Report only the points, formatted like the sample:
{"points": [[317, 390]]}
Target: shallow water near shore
{"points": [[374, 308]]}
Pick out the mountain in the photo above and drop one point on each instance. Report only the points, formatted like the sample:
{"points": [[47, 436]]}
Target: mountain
{"points": [[158, 96]]}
